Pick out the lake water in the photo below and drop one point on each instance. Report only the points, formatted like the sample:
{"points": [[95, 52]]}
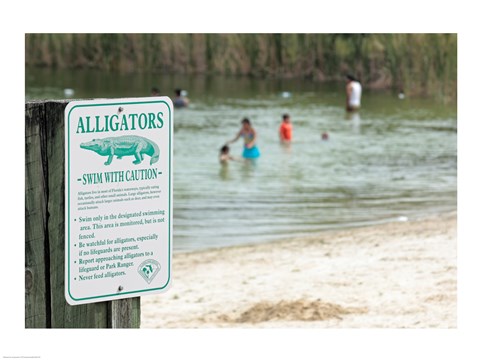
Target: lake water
{"points": [[393, 160]]}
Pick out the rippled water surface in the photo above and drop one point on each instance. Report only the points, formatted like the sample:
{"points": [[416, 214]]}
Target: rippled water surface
{"points": [[393, 160]]}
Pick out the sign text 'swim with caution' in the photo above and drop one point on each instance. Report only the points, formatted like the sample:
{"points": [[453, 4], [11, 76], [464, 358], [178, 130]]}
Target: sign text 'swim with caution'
{"points": [[118, 198]]}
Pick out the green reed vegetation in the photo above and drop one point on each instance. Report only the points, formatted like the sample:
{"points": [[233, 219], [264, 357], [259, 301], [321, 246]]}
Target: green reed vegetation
{"points": [[420, 64]]}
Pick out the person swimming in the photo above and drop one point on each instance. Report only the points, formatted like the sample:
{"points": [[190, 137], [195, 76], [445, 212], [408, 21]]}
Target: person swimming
{"points": [[180, 101], [250, 150]]}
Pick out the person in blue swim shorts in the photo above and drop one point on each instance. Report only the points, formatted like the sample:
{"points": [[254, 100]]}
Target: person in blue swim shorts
{"points": [[250, 150]]}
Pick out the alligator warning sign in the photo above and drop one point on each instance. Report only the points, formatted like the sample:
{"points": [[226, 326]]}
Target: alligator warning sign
{"points": [[118, 198]]}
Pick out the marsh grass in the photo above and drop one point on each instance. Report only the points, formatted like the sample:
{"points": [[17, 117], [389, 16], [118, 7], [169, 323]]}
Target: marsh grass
{"points": [[419, 64]]}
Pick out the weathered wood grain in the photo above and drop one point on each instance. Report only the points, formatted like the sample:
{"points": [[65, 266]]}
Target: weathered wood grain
{"points": [[36, 288], [124, 313]]}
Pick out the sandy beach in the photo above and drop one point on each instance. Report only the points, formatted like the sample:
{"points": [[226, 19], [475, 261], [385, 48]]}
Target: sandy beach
{"points": [[395, 275]]}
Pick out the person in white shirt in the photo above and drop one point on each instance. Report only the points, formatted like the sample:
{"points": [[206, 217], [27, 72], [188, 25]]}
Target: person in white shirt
{"points": [[354, 93]]}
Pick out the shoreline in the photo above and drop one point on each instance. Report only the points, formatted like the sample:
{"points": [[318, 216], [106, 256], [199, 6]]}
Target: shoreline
{"points": [[392, 275], [332, 231]]}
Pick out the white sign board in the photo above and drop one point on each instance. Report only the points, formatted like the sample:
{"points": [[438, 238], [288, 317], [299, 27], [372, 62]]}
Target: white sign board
{"points": [[118, 198]]}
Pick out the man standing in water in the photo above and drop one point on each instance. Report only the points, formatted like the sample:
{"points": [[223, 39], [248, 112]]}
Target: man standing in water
{"points": [[354, 93]]}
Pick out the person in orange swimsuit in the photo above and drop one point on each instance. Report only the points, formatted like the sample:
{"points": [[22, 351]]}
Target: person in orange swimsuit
{"points": [[286, 129]]}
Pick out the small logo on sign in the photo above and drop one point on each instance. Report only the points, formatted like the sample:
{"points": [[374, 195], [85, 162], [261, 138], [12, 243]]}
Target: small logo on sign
{"points": [[149, 269]]}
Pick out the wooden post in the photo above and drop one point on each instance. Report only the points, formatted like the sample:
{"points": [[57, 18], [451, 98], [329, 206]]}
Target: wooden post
{"points": [[45, 304], [124, 313], [36, 277]]}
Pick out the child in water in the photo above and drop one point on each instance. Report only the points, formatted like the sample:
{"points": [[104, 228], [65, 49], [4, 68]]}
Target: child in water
{"points": [[225, 156], [285, 130]]}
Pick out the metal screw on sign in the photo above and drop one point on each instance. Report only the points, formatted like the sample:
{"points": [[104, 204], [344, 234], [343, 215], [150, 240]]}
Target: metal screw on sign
{"points": [[120, 288], [120, 109]]}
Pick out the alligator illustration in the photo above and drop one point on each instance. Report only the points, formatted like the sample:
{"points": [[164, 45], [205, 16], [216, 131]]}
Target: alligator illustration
{"points": [[128, 145]]}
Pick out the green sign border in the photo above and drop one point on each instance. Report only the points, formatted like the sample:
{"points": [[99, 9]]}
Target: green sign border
{"points": [[169, 195]]}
